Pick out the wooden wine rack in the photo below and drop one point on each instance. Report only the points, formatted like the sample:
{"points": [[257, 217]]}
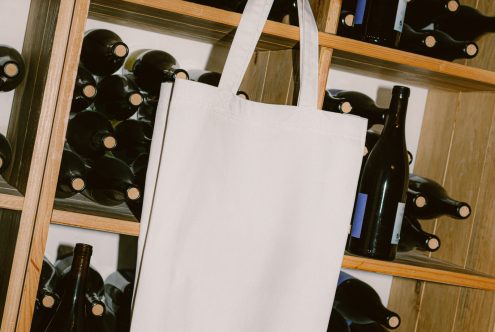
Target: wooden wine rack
{"points": [[457, 148]]}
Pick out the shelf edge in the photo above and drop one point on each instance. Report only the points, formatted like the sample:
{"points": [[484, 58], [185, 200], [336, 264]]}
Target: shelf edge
{"points": [[11, 202], [419, 273], [98, 223]]}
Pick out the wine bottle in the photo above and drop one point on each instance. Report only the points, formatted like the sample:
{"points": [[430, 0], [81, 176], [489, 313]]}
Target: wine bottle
{"points": [[438, 202], [5, 154], [230, 5], [94, 283], [134, 138], [359, 303], [412, 236], [96, 306], [90, 134], [371, 139], [49, 277], [415, 198], [381, 21], [71, 313], [153, 67], [382, 188], [103, 52], [419, 42], [336, 104], [337, 323], [12, 68], [210, 78], [111, 182], [84, 90], [446, 48], [363, 106], [119, 287], [147, 111], [139, 168], [118, 97], [41, 316], [421, 13], [72, 175], [373, 327], [467, 23]]}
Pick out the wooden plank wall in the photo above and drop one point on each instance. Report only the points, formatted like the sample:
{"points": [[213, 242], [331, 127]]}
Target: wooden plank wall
{"points": [[457, 148]]}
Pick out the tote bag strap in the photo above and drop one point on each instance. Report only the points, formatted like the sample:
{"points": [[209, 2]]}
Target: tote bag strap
{"points": [[247, 35]]}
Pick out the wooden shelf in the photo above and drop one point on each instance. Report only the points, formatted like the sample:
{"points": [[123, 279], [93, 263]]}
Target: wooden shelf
{"points": [[10, 198], [104, 224], [406, 265], [213, 25], [414, 266]]}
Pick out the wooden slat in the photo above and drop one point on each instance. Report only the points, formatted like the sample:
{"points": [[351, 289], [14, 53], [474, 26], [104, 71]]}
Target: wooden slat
{"points": [[11, 202], [405, 269], [215, 25], [405, 299], [279, 74], [46, 37], [95, 222], [69, 57]]}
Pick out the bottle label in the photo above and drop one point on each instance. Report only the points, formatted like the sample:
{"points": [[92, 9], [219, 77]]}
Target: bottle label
{"points": [[360, 7], [343, 277], [357, 221], [399, 17], [398, 223]]}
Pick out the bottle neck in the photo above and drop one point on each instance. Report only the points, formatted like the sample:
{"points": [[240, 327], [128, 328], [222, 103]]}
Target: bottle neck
{"points": [[395, 118], [454, 208]]}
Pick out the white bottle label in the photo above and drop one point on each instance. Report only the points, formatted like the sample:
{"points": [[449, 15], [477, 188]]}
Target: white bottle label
{"points": [[401, 13], [398, 223]]}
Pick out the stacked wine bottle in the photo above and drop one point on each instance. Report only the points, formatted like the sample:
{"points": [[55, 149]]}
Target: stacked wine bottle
{"points": [[12, 72], [112, 117], [357, 307], [390, 201], [442, 29], [73, 296], [111, 120]]}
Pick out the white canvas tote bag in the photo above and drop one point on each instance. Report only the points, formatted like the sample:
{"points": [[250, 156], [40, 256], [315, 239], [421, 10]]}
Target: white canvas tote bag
{"points": [[247, 205]]}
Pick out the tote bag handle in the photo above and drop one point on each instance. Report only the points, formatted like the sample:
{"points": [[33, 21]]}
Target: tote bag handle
{"points": [[247, 35]]}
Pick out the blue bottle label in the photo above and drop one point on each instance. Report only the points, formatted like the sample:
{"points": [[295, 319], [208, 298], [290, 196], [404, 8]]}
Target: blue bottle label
{"points": [[357, 221], [360, 7], [343, 277]]}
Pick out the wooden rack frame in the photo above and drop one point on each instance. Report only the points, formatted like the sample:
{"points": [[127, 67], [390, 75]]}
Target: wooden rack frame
{"points": [[53, 62]]}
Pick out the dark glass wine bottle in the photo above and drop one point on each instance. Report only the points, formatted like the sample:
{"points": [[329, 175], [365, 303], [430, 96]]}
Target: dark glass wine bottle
{"points": [[147, 111], [139, 168], [111, 182], [421, 13], [103, 52], [12, 68], [119, 287], [210, 78], [71, 313], [373, 327], [345, 27], [371, 139], [438, 202], [466, 24], [95, 305], [153, 67], [5, 154], [381, 21], [49, 277], [416, 199], [412, 236], [72, 175], [359, 303], [446, 48], [90, 134], [336, 104], [337, 323], [41, 316], [363, 106], [382, 188], [134, 138], [419, 42], [118, 97], [84, 90]]}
